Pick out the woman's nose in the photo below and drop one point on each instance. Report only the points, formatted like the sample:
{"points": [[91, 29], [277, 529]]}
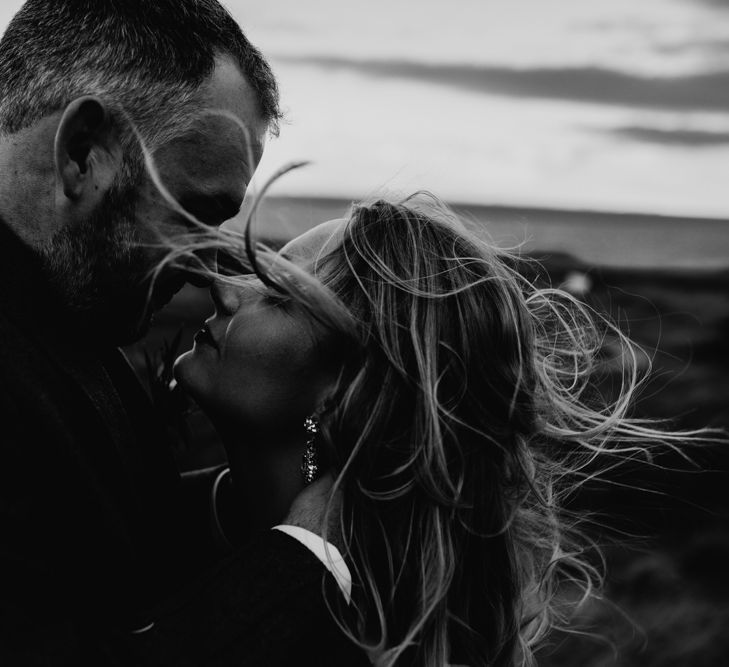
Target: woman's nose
{"points": [[225, 297]]}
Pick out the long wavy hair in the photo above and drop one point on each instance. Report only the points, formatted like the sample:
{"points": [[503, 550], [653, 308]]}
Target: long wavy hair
{"points": [[450, 429], [465, 414]]}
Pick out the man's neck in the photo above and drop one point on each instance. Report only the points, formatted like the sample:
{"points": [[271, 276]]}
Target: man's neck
{"points": [[29, 298]]}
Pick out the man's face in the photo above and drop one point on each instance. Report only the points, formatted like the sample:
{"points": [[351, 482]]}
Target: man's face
{"points": [[105, 264]]}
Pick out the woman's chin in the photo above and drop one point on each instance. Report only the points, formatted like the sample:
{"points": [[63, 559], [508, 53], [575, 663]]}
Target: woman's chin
{"points": [[183, 371], [196, 376]]}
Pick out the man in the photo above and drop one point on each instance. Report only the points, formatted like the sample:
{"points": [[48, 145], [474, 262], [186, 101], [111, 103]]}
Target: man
{"points": [[96, 526]]}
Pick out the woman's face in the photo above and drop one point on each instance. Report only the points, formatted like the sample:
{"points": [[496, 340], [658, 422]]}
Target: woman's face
{"points": [[257, 361]]}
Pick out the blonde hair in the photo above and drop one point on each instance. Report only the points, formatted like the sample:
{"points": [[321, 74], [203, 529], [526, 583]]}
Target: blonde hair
{"points": [[466, 412]]}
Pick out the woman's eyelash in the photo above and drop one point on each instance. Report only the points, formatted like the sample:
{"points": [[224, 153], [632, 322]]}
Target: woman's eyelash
{"points": [[273, 296], [276, 298]]}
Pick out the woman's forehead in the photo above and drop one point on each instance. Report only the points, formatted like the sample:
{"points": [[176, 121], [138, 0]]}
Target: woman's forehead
{"points": [[316, 240]]}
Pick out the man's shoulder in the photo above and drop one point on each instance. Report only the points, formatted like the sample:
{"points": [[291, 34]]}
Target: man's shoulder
{"points": [[23, 369], [28, 375]]}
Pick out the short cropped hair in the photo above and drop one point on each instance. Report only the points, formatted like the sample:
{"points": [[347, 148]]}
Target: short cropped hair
{"points": [[148, 57]]}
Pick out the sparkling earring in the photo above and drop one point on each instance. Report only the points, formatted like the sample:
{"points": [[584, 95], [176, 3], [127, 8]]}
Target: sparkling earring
{"points": [[310, 458]]}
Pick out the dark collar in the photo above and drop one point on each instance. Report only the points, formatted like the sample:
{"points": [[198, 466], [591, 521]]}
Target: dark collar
{"points": [[21, 271], [35, 320]]}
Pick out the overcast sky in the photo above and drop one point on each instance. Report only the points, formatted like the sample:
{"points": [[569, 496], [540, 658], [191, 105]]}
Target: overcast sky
{"points": [[618, 105]]}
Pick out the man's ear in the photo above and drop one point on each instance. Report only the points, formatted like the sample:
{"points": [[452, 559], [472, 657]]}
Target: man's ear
{"points": [[87, 151]]}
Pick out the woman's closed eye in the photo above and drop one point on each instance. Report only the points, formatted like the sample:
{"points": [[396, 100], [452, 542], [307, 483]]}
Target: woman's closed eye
{"points": [[274, 297], [251, 285]]}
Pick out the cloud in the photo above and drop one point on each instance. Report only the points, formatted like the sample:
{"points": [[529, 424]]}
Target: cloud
{"points": [[721, 4], [287, 25], [709, 47], [690, 138], [703, 91]]}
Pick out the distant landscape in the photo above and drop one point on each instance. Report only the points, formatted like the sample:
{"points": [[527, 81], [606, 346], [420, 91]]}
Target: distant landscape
{"points": [[666, 282], [626, 240]]}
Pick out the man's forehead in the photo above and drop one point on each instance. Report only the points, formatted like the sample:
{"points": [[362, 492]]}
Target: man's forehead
{"points": [[227, 88], [229, 101], [213, 151], [228, 130], [216, 130], [220, 148]]}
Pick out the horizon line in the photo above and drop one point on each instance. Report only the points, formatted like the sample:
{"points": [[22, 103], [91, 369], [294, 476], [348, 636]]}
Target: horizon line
{"points": [[453, 203]]}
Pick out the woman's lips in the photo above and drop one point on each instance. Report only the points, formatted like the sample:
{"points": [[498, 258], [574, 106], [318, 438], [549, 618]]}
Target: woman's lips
{"points": [[204, 337]]}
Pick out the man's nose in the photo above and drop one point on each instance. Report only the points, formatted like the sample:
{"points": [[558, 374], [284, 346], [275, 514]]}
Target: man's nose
{"points": [[201, 269], [231, 264], [199, 280], [214, 262]]}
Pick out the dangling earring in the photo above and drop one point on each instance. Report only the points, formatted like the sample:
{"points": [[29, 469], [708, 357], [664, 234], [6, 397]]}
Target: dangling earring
{"points": [[310, 458]]}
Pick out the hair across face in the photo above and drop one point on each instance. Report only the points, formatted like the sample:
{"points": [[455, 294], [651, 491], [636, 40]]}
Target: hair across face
{"points": [[464, 410], [258, 366], [430, 339], [263, 363], [200, 99]]}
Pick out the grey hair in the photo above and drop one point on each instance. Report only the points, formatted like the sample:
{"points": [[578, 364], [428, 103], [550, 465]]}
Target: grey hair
{"points": [[148, 58]]}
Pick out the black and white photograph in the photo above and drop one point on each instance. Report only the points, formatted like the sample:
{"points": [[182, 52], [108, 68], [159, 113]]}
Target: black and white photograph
{"points": [[384, 333]]}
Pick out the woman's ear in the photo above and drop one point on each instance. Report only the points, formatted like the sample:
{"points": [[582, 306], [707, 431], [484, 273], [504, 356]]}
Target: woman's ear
{"points": [[87, 151]]}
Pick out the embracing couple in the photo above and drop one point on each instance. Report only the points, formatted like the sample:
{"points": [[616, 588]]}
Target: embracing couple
{"points": [[395, 399]]}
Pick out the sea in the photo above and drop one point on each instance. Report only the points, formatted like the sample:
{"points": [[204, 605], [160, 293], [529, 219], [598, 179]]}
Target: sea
{"points": [[620, 240]]}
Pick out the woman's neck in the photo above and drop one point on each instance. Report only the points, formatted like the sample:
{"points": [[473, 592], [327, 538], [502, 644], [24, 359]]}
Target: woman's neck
{"points": [[266, 478]]}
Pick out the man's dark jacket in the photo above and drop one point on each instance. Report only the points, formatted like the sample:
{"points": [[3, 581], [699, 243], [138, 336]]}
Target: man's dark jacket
{"points": [[102, 547]]}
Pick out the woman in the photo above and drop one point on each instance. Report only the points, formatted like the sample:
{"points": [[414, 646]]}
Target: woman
{"points": [[452, 402]]}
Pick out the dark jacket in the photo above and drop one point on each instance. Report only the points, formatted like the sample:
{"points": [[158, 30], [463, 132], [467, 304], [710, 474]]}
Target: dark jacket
{"points": [[97, 531], [257, 608]]}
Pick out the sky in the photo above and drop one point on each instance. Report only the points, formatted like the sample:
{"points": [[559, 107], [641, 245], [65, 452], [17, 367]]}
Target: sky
{"points": [[619, 105]]}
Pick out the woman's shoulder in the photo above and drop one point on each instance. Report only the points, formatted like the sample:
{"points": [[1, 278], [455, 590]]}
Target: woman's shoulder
{"points": [[266, 604]]}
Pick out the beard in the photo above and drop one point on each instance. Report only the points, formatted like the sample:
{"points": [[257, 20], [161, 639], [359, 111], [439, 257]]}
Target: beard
{"points": [[99, 270]]}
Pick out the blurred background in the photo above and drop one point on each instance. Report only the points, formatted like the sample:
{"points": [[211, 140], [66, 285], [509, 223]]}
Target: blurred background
{"points": [[594, 135]]}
